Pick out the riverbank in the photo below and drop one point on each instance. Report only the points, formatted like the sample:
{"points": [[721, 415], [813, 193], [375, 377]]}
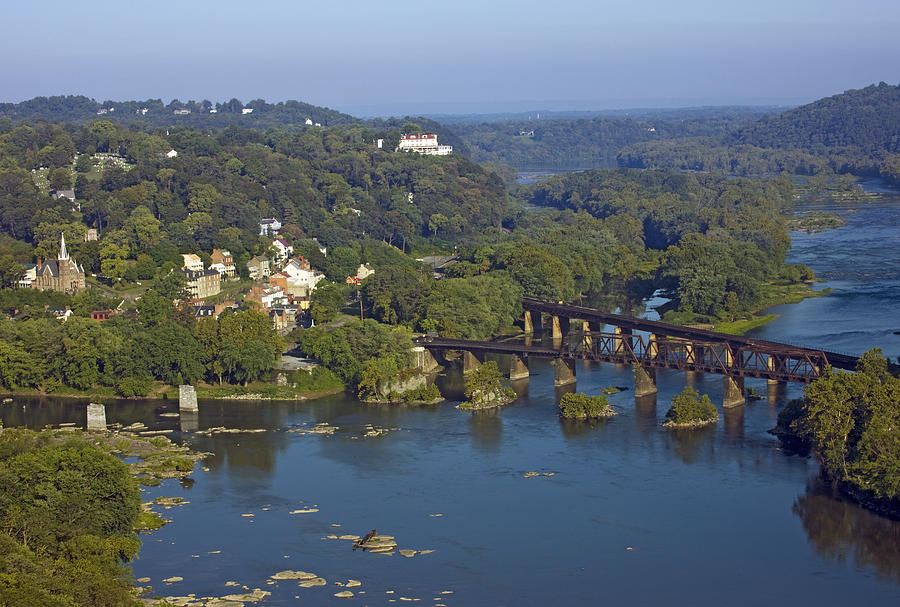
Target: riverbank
{"points": [[777, 295], [308, 386]]}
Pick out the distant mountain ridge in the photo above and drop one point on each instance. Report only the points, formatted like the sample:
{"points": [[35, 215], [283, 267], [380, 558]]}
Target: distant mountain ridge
{"points": [[867, 119], [195, 114]]}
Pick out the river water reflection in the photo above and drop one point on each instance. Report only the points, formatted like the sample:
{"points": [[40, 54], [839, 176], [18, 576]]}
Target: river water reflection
{"points": [[632, 514]]}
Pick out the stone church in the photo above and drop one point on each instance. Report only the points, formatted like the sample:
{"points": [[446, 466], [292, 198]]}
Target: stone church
{"points": [[64, 274]]}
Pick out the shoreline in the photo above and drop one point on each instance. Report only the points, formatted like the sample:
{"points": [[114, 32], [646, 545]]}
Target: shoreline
{"points": [[759, 318], [164, 395]]}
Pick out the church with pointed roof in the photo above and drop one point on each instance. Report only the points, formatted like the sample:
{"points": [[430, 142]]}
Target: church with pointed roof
{"points": [[64, 274]]}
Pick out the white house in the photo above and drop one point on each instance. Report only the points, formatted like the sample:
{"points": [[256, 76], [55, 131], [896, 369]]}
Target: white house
{"points": [[247, 110], [270, 226], [309, 122], [282, 249], [364, 271], [301, 275], [426, 143], [171, 154], [192, 262], [29, 276]]}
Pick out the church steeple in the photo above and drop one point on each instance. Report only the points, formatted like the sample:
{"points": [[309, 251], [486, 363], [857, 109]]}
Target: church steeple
{"points": [[63, 254]]}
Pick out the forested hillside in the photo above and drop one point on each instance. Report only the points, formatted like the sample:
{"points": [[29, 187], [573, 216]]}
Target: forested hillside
{"points": [[589, 142], [867, 119], [714, 243], [328, 183], [78, 109], [855, 132]]}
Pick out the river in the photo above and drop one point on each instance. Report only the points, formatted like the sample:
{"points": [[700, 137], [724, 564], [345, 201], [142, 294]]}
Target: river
{"points": [[621, 513]]}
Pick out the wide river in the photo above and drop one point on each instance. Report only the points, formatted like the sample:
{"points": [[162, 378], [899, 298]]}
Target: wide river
{"points": [[621, 513]]}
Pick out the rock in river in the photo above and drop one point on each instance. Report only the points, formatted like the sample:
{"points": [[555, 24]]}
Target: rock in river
{"points": [[294, 575]]}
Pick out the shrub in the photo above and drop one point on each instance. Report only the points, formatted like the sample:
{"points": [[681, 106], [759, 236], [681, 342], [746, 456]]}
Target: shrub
{"points": [[134, 386], [582, 406], [690, 409]]}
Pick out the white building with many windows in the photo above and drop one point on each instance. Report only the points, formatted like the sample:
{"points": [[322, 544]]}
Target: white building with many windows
{"points": [[426, 143]]}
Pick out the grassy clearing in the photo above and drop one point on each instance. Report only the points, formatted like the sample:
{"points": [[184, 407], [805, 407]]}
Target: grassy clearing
{"points": [[739, 327]]}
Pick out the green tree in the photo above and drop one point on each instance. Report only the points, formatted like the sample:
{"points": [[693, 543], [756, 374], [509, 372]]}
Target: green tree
{"points": [[325, 302], [61, 179], [11, 271], [689, 408], [850, 420], [473, 308]]}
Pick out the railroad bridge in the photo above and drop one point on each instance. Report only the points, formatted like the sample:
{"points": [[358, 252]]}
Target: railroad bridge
{"points": [[666, 346]]}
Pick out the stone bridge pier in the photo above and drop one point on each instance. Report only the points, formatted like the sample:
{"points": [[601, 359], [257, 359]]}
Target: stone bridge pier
{"points": [[518, 367], [732, 391], [424, 360], [644, 382], [187, 399], [564, 371], [471, 361], [560, 327]]}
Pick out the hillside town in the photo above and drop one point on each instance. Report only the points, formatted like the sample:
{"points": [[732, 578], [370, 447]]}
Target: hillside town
{"points": [[279, 284]]}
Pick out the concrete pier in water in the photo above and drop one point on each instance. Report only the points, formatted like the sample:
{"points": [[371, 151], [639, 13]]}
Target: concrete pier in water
{"points": [[187, 399], [96, 418]]}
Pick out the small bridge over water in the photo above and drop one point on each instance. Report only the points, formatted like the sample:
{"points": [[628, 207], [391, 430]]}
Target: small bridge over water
{"points": [[666, 346]]}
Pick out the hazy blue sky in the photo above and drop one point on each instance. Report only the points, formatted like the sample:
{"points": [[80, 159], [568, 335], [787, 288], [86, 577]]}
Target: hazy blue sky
{"points": [[466, 55]]}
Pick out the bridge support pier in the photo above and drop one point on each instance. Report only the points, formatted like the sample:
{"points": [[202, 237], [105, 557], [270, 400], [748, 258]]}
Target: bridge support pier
{"points": [[732, 391], [471, 361], [425, 362], [564, 371], [644, 382], [518, 368], [587, 342], [770, 365], [622, 335], [652, 348], [528, 323], [560, 327]]}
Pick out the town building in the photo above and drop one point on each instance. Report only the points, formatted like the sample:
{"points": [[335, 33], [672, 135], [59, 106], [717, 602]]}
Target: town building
{"points": [[91, 234], [266, 296], [202, 283], [364, 271], [202, 311], [226, 259], [280, 280], [281, 319], [301, 278], [62, 314], [192, 262], [426, 143], [269, 226], [67, 194], [28, 277], [259, 267], [282, 249], [101, 315], [64, 274]]}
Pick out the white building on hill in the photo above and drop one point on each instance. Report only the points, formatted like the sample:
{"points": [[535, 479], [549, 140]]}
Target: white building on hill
{"points": [[427, 143]]}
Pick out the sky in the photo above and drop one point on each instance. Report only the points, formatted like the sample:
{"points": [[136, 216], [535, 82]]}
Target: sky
{"points": [[459, 56]]}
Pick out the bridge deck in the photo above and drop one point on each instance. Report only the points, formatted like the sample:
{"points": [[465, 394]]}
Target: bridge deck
{"points": [[781, 364], [598, 317]]}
